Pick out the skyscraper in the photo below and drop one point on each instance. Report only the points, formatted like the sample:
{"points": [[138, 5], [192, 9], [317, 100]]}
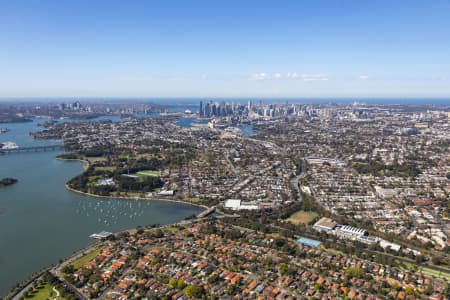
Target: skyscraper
{"points": [[201, 111]]}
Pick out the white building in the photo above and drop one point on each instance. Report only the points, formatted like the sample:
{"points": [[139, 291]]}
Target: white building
{"points": [[166, 193], [351, 232], [385, 244], [236, 204], [325, 224]]}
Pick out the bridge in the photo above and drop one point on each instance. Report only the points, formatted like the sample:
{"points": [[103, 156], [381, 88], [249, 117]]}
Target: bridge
{"points": [[206, 212], [32, 149]]}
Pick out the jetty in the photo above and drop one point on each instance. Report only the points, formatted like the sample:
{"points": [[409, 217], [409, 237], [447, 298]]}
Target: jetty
{"points": [[101, 235]]}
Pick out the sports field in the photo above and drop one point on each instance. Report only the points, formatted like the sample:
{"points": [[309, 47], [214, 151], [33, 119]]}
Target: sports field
{"points": [[302, 217], [148, 173]]}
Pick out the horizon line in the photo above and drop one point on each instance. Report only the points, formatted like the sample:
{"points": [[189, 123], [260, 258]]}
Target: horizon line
{"points": [[227, 97]]}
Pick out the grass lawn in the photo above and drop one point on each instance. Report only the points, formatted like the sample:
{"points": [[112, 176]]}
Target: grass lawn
{"points": [[94, 159], [78, 263], [193, 200], [273, 235], [127, 156], [131, 194], [302, 217], [430, 272], [112, 169], [171, 229], [331, 250], [427, 271], [44, 292], [148, 173], [144, 155]]}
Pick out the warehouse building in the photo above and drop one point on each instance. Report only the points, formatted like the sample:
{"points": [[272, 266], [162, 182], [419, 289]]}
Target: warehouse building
{"points": [[325, 224]]}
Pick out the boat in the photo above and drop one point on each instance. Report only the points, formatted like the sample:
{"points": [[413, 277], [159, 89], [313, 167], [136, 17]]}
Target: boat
{"points": [[8, 146], [4, 130]]}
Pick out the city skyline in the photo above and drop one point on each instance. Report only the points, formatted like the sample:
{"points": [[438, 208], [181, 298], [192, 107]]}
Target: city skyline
{"points": [[263, 49], [259, 149]]}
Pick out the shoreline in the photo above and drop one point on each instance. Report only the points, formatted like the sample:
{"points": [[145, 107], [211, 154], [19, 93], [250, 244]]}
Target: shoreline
{"points": [[84, 249], [26, 282], [85, 162], [71, 159], [135, 198]]}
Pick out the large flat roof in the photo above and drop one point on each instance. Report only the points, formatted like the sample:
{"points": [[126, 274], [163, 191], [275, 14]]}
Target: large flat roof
{"points": [[326, 222]]}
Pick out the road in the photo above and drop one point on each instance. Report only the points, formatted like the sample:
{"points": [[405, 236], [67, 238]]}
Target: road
{"points": [[232, 167], [56, 271], [295, 183], [206, 212], [21, 294]]}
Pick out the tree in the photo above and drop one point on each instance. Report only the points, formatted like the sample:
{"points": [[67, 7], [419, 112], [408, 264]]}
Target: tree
{"points": [[231, 289], [283, 268], [172, 282], [436, 260], [180, 284], [157, 233], [420, 258], [213, 278], [194, 291], [354, 272], [68, 269]]}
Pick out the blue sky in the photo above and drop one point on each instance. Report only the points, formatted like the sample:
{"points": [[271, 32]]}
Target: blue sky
{"points": [[312, 48]]}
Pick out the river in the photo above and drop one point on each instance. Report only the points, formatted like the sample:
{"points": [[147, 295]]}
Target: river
{"points": [[41, 221]]}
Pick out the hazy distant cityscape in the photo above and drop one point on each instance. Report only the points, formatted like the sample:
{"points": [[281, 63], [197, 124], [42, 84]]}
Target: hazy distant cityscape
{"points": [[323, 200]]}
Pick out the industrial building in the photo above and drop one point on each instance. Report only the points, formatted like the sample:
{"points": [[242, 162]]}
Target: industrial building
{"points": [[351, 232], [237, 204], [325, 224], [344, 231]]}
